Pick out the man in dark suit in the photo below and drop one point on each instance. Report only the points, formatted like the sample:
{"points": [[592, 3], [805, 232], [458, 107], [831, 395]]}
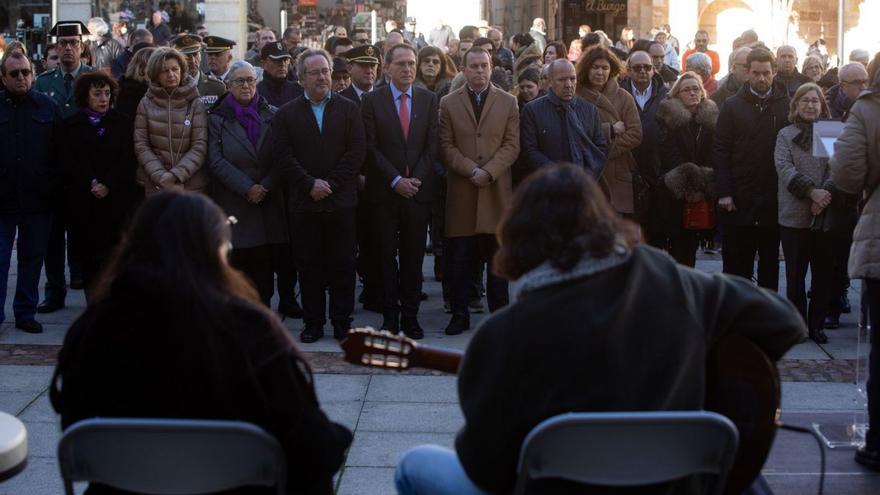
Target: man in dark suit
{"points": [[363, 62], [401, 126], [317, 146]]}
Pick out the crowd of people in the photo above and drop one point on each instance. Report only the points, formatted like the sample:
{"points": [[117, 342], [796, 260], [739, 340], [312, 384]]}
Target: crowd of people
{"points": [[333, 165]]}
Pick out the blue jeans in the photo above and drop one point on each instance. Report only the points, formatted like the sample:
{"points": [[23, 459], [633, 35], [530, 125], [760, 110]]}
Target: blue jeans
{"points": [[33, 239], [433, 470]]}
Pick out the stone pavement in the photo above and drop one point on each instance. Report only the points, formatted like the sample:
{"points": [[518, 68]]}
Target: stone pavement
{"points": [[391, 412]]}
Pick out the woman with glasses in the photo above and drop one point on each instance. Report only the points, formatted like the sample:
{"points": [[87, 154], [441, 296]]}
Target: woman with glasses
{"points": [[240, 182], [171, 127], [687, 132], [813, 68], [434, 71], [805, 192]]}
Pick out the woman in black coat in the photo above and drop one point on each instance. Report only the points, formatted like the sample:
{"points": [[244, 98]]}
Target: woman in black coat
{"points": [[99, 171], [687, 132], [133, 85]]}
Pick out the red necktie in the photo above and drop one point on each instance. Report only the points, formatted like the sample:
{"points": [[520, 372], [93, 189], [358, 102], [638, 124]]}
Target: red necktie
{"points": [[404, 121]]}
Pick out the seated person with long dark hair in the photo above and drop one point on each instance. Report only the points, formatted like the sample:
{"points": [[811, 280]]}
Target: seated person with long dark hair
{"points": [[598, 325], [174, 332]]}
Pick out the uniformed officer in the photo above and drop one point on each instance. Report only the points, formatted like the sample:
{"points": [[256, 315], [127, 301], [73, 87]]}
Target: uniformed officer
{"points": [[58, 82], [210, 88], [219, 51], [363, 62]]}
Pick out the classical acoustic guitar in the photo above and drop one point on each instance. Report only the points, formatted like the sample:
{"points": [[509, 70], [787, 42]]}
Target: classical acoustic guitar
{"points": [[742, 383]]}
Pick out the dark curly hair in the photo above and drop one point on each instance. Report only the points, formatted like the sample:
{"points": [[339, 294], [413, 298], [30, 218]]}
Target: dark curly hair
{"points": [[597, 53], [88, 80], [558, 214]]}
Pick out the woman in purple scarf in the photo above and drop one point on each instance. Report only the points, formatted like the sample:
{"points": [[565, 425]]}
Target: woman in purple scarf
{"points": [[100, 166], [240, 183]]}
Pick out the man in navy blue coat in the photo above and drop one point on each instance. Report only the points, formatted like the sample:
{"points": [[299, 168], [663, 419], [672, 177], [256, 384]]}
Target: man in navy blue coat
{"points": [[28, 178]]}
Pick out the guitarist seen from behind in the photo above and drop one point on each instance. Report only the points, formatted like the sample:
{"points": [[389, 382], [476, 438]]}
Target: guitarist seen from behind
{"points": [[598, 325]]}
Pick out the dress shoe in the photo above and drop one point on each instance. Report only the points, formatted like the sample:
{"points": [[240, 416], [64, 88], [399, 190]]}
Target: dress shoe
{"points": [[76, 283], [340, 329], [291, 309], [476, 306], [868, 458], [29, 326], [832, 322], [457, 324], [412, 329], [391, 323], [311, 333], [819, 336], [50, 306]]}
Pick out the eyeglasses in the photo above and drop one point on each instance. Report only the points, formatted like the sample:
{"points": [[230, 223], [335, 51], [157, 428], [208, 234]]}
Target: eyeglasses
{"points": [[641, 67], [241, 81], [341, 77], [70, 43], [17, 72], [318, 72], [859, 82]]}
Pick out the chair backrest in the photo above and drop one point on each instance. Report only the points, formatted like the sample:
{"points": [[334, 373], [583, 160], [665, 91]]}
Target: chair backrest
{"points": [[629, 448], [170, 456]]}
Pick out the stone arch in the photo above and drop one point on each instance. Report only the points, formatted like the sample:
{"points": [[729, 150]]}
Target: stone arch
{"points": [[723, 39]]}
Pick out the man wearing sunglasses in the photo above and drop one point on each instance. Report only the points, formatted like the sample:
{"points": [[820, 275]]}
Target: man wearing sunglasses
{"points": [[648, 90], [58, 84], [27, 138]]}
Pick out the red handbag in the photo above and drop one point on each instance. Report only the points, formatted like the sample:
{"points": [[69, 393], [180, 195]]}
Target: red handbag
{"points": [[699, 215]]}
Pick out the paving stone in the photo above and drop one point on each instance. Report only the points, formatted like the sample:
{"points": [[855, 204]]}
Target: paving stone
{"points": [[390, 388], [367, 481], [53, 334], [40, 477], [25, 378], [410, 417], [15, 402], [818, 396], [40, 411], [384, 449], [344, 413], [333, 388], [43, 439]]}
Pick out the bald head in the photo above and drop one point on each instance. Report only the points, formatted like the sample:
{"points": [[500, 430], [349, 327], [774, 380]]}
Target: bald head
{"points": [[860, 55], [740, 69], [786, 59], [639, 69], [560, 64], [853, 79]]}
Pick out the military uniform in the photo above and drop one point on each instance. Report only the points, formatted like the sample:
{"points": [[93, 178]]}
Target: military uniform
{"points": [[210, 89], [52, 83]]}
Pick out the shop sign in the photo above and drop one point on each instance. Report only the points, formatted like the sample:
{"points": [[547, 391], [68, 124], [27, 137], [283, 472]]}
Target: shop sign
{"points": [[605, 6]]}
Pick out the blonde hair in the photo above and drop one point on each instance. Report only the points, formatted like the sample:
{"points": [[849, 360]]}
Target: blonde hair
{"points": [[803, 90], [676, 88], [811, 59], [157, 60], [137, 66]]}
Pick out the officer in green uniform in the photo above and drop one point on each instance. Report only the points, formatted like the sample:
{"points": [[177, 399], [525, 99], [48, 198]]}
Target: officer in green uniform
{"points": [[210, 88], [58, 82], [219, 52]]}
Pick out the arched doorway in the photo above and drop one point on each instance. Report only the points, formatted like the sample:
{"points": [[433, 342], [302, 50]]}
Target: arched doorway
{"points": [[725, 20]]}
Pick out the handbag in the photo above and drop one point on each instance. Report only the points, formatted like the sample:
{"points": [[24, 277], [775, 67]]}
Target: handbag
{"points": [[699, 215]]}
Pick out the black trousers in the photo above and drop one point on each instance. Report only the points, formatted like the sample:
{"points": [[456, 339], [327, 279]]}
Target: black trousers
{"points": [[400, 227], [62, 239], [324, 246], [256, 264], [741, 243], [465, 256], [839, 277], [367, 264], [872, 291], [284, 267], [804, 248]]}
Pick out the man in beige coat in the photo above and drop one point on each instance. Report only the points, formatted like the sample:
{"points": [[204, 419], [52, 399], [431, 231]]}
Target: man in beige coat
{"points": [[479, 141]]}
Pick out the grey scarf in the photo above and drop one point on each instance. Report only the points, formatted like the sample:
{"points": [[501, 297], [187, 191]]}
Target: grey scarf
{"points": [[545, 274], [578, 141]]}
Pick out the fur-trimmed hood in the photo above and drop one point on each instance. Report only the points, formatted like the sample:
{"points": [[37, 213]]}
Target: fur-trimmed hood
{"points": [[672, 114], [689, 178]]}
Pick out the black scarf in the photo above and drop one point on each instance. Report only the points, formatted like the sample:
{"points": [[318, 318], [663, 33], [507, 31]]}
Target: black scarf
{"points": [[804, 139]]}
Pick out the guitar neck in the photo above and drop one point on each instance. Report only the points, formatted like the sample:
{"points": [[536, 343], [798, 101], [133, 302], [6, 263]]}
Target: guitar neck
{"points": [[435, 358]]}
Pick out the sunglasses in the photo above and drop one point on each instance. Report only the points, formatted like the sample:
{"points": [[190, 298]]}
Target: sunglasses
{"points": [[641, 67], [17, 72]]}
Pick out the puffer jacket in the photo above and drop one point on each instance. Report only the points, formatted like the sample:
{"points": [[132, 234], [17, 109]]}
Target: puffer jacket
{"points": [[855, 168], [171, 134]]}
